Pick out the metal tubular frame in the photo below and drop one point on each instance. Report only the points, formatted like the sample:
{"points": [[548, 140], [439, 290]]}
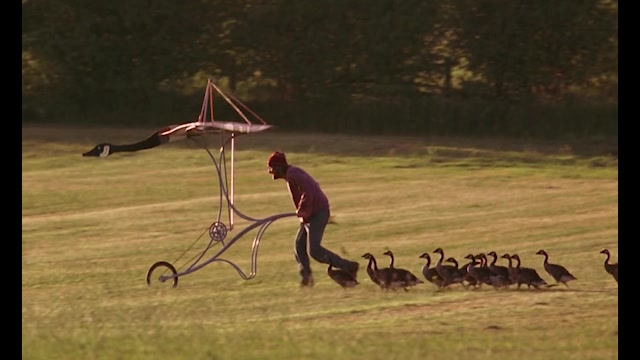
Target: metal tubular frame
{"points": [[227, 194]]}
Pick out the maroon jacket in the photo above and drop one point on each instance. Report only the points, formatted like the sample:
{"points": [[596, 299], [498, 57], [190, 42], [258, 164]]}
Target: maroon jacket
{"points": [[305, 192]]}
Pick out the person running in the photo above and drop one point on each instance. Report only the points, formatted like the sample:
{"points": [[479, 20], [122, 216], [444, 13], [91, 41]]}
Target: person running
{"points": [[312, 208]]}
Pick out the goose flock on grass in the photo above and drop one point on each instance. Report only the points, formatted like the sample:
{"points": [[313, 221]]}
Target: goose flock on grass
{"points": [[475, 273]]}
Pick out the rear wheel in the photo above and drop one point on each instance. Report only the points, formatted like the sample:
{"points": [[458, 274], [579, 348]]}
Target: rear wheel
{"points": [[162, 268]]}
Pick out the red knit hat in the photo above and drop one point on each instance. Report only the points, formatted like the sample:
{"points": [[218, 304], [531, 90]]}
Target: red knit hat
{"points": [[277, 159]]}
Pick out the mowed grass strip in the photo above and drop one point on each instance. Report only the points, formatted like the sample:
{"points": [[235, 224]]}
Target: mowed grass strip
{"points": [[93, 227]]}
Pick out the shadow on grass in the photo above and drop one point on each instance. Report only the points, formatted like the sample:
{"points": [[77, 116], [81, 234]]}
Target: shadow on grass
{"points": [[525, 290], [561, 290]]}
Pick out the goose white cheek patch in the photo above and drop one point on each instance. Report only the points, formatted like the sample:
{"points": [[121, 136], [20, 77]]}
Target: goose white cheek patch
{"points": [[105, 151]]}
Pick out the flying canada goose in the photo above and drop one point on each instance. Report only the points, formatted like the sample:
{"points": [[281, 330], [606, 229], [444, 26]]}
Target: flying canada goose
{"points": [[159, 137]]}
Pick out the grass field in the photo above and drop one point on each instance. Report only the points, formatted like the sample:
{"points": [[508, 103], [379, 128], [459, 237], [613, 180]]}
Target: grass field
{"points": [[91, 228]]}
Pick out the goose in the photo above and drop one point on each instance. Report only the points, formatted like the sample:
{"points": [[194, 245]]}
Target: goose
{"points": [[159, 137], [454, 262], [494, 280], [404, 277], [384, 277], [479, 272], [559, 273], [528, 276], [372, 267], [392, 260], [462, 271], [612, 269], [513, 271], [341, 277], [499, 270], [449, 273], [430, 273], [470, 280], [483, 260]]}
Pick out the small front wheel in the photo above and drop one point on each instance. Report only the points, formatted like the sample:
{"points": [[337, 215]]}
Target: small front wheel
{"points": [[217, 231], [162, 267]]}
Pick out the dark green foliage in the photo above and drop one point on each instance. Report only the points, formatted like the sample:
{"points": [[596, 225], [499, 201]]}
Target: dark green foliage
{"points": [[458, 67]]}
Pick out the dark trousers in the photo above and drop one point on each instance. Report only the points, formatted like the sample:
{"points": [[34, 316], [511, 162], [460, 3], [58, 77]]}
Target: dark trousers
{"points": [[308, 242]]}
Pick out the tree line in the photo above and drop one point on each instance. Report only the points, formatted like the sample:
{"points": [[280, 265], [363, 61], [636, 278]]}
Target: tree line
{"points": [[497, 67]]}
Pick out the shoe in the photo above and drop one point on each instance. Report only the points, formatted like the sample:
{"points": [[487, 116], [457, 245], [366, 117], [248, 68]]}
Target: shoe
{"points": [[352, 269], [307, 280]]}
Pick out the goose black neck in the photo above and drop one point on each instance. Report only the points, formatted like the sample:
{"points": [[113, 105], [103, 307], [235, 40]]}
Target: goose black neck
{"points": [[546, 257], [370, 264], [375, 263], [471, 265], [152, 141], [518, 265], [392, 259]]}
